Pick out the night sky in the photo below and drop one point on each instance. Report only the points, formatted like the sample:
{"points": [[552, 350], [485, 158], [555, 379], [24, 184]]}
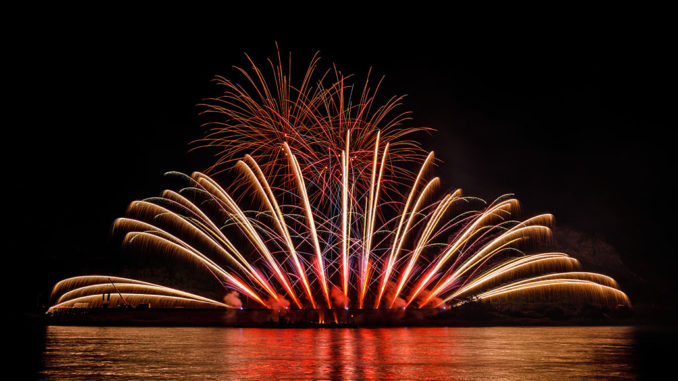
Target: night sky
{"points": [[573, 116]]}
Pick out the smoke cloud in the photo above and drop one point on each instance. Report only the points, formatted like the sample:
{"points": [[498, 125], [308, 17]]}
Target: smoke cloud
{"points": [[232, 299], [390, 293], [279, 304], [435, 302], [339, 300]]}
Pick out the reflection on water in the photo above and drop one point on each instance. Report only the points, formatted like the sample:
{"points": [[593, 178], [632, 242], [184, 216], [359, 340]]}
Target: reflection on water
{"points": [[365, 354]]}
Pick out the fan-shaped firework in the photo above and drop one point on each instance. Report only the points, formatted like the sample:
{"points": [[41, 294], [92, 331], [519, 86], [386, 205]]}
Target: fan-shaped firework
{"points": [[336, 220]]}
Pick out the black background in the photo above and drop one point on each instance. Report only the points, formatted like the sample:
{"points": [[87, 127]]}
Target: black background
{"points": [[570, 109]]}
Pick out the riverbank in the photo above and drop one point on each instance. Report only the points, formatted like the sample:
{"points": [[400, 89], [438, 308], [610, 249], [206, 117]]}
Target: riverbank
{"points": [[469, 315]]}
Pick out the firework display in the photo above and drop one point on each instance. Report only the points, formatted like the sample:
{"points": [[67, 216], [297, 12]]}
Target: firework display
{"points": [[331, 206]]}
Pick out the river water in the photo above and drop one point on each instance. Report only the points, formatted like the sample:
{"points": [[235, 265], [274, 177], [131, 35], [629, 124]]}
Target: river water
{"points": [[518, 353]]}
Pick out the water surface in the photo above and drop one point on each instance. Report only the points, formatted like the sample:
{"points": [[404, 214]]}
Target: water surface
{"points": [[87, 353]]}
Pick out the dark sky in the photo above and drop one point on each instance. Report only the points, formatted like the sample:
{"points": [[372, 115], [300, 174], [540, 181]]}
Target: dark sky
{"points": [[572, 114]]}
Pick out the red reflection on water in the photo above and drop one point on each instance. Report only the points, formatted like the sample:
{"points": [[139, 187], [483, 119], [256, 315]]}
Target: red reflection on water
{"points": [[341, 354], [348, 354]]}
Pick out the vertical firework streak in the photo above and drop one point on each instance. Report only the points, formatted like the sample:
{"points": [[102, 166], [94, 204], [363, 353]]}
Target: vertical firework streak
{"points": [[336, 196], [279, 220], [370, 213], [311, 224]]}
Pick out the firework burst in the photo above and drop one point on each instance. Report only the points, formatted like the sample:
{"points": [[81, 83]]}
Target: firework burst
{"points": [[333, 217]]}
